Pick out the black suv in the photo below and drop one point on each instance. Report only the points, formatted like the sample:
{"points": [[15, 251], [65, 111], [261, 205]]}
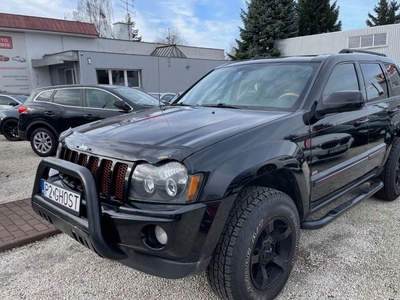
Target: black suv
{"points": [[225, 178], [51, 110]]}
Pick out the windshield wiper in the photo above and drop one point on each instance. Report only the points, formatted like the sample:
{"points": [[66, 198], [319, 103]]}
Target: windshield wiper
{"points": [[223, 105]]}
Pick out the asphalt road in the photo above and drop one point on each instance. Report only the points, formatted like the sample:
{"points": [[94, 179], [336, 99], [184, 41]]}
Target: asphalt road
{"points": [[356, 257]]}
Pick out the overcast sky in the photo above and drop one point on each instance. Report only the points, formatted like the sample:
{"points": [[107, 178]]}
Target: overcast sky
{"points": [[203, 23]]}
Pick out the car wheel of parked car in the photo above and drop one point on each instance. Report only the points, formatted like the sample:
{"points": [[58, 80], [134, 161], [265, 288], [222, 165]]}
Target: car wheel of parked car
{"points": [[391, 175], [257, 250], [43, 142], [10, 130]]}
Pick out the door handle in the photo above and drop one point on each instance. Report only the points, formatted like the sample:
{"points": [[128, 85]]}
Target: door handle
{"points": [[49, 113], [361, 122], [88, 116]]}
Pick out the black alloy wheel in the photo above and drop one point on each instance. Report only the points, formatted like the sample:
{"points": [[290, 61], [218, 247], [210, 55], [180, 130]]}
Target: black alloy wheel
{"points": [[391, 174], [257, 248], [10, 130], [271, 253]]}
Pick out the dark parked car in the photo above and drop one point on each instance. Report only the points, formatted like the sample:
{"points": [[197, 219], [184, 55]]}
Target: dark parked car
{"points": [[51, 110], [224, 178], [8, 100], [9, 124]]}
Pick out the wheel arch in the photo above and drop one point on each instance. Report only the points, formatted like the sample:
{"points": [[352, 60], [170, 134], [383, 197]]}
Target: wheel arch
{"points": [[39, 124], [279, 165]]}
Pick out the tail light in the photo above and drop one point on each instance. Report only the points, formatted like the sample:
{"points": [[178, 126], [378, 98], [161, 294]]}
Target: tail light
{"points": [[21, 109]]}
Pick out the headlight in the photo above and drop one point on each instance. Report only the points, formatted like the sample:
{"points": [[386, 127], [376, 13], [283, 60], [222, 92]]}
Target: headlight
{"points": [[166, 183]]}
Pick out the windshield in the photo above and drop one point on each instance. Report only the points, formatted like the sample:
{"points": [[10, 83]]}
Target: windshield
{"points": [[136, 97], [278, 86]]}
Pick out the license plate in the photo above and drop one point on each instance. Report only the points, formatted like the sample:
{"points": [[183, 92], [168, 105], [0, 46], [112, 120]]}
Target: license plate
{"points": [[339, 149], [65, 198]]}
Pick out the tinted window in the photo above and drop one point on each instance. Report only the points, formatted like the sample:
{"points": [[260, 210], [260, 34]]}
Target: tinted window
{"points": [[21, 98], [5, 100], [99, 99], [375, 81], [68, 97], [45, 96], [342, 78], [394, 78]]}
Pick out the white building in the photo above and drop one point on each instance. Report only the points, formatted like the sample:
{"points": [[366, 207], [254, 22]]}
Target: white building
{"points": [[382, 39], [37, 52]]}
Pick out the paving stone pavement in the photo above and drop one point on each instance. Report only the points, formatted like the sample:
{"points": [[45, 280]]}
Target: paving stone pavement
{"points": [[20, 225]]}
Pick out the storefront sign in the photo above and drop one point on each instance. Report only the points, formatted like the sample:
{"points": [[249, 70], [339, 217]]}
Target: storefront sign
{"points": [[6, 42]]}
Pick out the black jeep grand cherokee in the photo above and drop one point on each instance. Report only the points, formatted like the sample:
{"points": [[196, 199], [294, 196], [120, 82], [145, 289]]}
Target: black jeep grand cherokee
{"points": [[225, 178]]}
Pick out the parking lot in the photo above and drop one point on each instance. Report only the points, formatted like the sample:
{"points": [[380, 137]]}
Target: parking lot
{"points": [[356, 257]]}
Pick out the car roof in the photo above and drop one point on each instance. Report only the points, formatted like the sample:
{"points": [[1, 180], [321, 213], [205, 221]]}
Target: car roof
{"points": [[344, 56], [103, 86]]}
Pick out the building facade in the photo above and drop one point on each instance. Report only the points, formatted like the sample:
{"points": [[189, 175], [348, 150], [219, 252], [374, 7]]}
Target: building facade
{"points": [[37, 52], [382, 39]]}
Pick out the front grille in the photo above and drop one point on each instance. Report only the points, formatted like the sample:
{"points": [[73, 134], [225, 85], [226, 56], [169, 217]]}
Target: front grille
{"points": [[345, 140], [330, 144], [109, 175]]}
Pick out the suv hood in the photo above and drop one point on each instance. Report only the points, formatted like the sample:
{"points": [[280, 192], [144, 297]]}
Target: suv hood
{"points": [[174, 133]]}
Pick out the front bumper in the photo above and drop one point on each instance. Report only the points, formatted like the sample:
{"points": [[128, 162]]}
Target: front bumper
{"points": [[117, 232]]}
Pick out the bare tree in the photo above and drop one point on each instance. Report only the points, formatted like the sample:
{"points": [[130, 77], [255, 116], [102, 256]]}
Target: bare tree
{"points": [[171, 36], [231, 50], [98, 12]]}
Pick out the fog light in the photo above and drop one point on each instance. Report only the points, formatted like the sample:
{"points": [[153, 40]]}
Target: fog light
{"points": [[161, 235]]}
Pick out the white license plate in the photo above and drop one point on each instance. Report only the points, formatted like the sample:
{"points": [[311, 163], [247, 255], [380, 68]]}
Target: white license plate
{"points": [[65, 198]]}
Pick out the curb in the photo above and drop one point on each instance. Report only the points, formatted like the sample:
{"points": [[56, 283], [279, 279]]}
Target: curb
{"points": [[28, 239]]}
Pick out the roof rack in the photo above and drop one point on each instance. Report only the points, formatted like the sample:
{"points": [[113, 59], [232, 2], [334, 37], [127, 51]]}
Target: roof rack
{"points": [[361, 51]]}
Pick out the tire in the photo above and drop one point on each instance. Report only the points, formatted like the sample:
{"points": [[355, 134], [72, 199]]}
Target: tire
{"points": [[10, 130], [263, 221], [43, 142], [391, 174]]}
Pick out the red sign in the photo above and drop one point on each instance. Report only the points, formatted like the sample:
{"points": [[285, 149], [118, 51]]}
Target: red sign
{"points": [[6, 42]]}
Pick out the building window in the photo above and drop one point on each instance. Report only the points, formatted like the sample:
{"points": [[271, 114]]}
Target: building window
{"points": [[366, 41], [129, 78]]}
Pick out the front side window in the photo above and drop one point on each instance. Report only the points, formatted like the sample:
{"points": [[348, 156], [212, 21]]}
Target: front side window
{"points": [[342, 78], [375, 81], [276, 86], [99, 99], [136, 97], [68, 97], [5, 100]]}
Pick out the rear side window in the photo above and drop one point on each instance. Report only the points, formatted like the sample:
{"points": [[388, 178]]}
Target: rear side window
{"points": [[375, 81], [68, 97], [394, 78], [342, 78], [44, 96]]}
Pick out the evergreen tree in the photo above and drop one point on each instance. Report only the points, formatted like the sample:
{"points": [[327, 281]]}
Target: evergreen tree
{"points": [[318, 16], [265, 22], [386, 13]]}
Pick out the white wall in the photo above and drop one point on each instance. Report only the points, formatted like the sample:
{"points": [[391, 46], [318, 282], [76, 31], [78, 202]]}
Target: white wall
{"points": [[336, 41]]}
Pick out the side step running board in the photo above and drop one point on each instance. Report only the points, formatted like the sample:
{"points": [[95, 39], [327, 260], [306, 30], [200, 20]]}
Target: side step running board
{"points": [[333, 214]]}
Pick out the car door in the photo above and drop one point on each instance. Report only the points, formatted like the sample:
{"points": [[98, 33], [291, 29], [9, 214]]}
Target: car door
{"points": [[382, 83], [339, 149], [65, 109], [99, 104]]}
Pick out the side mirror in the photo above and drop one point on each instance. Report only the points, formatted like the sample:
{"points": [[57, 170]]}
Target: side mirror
{"points": [[13, 103], [340, 102], [121, 105]]}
